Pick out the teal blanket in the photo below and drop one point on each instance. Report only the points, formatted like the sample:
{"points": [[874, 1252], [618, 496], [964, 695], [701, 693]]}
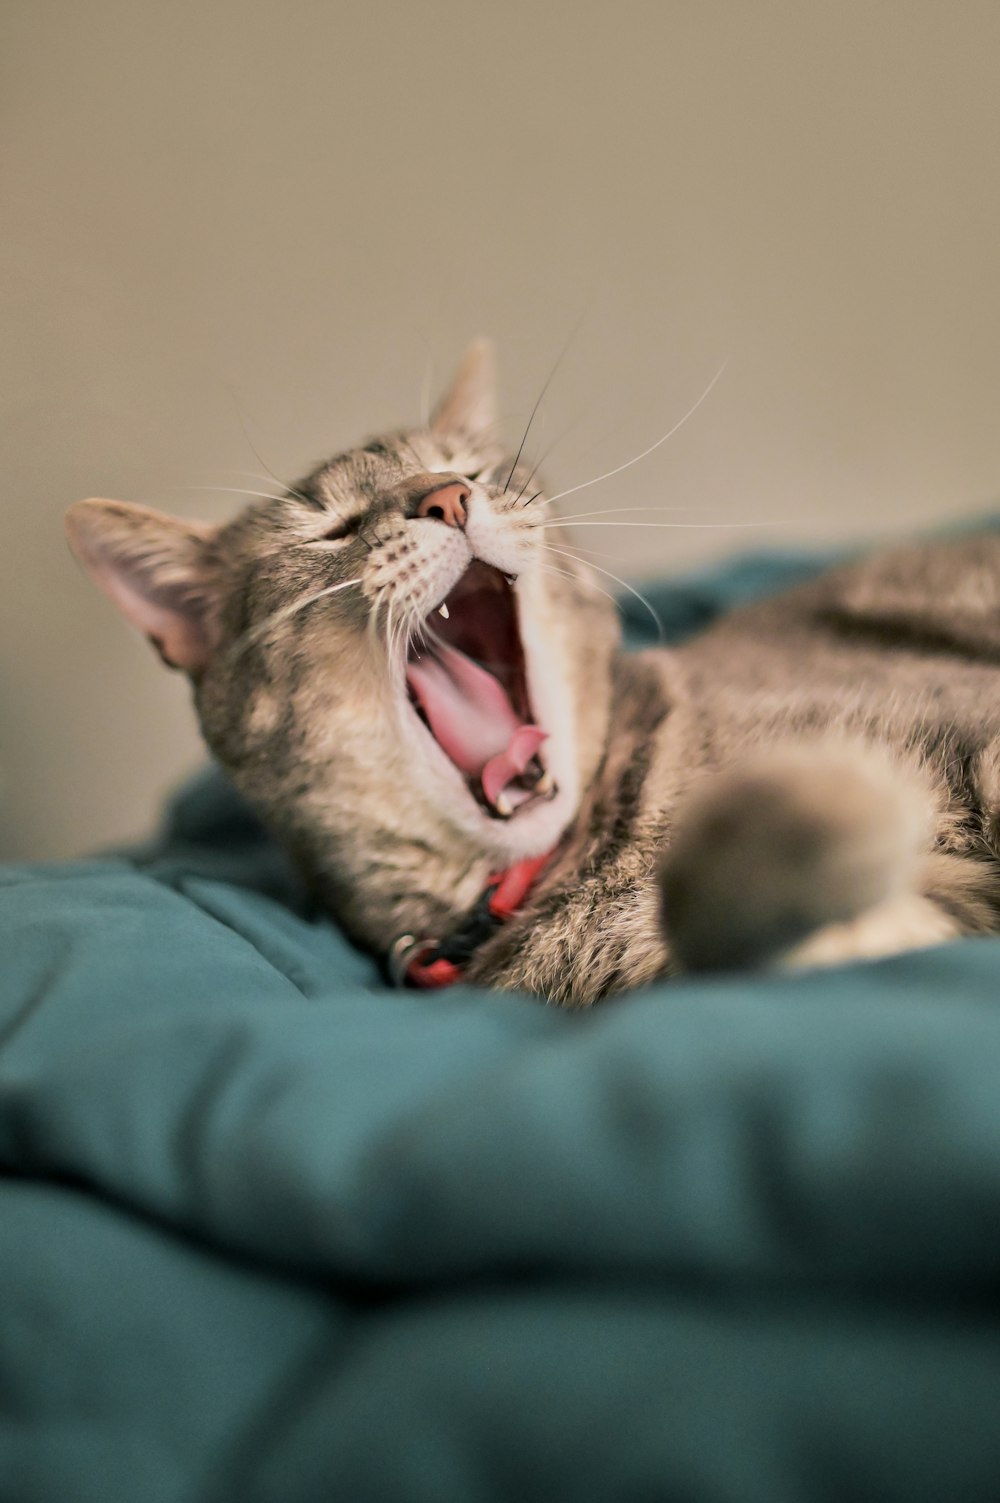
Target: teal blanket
{"points": [[270, 1233]]}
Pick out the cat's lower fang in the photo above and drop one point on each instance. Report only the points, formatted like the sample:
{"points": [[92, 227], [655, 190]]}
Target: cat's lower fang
{"points": [[470, 690], [502, 769]]}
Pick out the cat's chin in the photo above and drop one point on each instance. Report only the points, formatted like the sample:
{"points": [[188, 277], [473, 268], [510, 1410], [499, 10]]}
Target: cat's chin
{"points": [[533, 831]]}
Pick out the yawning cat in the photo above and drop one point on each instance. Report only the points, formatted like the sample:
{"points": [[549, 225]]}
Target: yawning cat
{"points": [[428, 705]]}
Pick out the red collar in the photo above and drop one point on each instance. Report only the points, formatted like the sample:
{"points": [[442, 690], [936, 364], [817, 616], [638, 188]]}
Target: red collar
{"points": [[433, 963]]}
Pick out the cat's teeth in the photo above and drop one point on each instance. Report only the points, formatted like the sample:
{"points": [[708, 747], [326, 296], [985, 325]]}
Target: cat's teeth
{"points": [[443, 611], [503, 805], [544, 784]]}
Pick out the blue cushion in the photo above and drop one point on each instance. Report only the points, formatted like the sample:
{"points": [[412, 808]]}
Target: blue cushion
{"points": [[269, 1231]]}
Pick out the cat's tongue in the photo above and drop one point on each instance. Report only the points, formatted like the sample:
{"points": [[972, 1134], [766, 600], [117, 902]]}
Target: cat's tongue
{"points": [[472, 719]]}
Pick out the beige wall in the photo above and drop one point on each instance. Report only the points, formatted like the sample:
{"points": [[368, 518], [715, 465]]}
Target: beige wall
{"points": [[236, 226]]}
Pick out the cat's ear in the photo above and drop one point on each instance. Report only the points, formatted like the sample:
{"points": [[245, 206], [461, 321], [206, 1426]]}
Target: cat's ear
{"points": [[157, 569], [468, 408]]}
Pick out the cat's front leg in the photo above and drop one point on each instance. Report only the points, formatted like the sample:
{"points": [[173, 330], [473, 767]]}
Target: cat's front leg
{"points": [[583, 940]]}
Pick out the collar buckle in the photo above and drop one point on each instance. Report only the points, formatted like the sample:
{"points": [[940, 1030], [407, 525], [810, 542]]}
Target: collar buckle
{"points": [[403, 951], [432, 963]]}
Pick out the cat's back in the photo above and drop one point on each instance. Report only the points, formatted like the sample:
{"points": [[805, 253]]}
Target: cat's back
{"points": [[900, 643]]}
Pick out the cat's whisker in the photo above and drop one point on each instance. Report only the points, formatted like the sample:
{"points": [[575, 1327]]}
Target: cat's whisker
{"points": [[257, 454], [625, 586], [588, 584], [402, 638], [411, 623], [564, 521], [429, 637], [404, 634], [371, 627], [540, 461], [390, 627], [630, 462], [288, 490], [247, 638], [379, 619], [614, 511], [247, 474], [389, 623], [425, 391], [538, 402], [239, 490], [591, 552], [513, 503], [397, 635], [524, 436]]}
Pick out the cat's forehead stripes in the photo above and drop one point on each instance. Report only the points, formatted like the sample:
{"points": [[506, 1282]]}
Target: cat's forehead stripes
{"points": [[361, 474], [366, 474]]}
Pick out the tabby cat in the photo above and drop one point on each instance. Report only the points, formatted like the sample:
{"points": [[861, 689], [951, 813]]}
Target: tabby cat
{"points": [[429, 707]]}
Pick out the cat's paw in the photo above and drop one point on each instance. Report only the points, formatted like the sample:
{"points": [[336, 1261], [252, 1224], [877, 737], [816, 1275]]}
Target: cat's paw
{"points": [[799, 838]]}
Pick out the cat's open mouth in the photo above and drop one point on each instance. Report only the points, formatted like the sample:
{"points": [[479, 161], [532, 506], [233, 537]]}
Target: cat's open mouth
{"points": [[467, 682]]}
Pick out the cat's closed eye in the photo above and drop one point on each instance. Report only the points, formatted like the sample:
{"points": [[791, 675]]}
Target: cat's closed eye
{"points": [[335, 533], [337, 530]]}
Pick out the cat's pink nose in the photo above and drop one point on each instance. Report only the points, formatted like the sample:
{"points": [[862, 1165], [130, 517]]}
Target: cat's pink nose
{"points": [[447, 504]]}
